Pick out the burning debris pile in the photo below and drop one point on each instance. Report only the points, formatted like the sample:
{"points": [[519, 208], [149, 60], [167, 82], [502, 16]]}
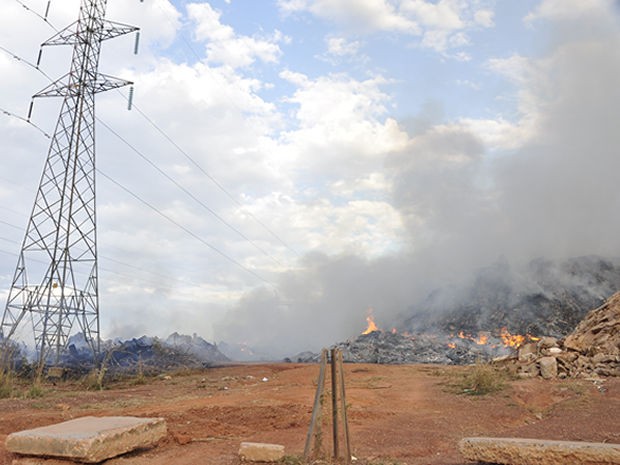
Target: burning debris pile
{"points": [[593, 348], [392, 347]]}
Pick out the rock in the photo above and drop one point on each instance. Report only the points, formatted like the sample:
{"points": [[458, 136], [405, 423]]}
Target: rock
{"points": [[88, 439], [513, 451], [603, 358], [529, 370], [260, 452], [599, 331], [547, 342], [527, 352], [548, 367]]}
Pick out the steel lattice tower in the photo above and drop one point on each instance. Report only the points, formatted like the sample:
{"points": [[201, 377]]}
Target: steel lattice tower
{"points": [[55, 285]]}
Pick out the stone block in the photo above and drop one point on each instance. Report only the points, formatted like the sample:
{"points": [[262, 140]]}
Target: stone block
{"points": [[527, 352], [548, 367], [41, 461], [547, 342], [259, 452], [88, 439], [513, 451]]}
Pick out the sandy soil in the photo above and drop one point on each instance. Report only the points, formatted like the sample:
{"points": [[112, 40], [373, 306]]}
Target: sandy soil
{"points": [[397, 414]]}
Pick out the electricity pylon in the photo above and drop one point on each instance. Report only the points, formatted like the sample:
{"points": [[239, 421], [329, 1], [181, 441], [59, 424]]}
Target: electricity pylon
{"points": [[55, 286]]}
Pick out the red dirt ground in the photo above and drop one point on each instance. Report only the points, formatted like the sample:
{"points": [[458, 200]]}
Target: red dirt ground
{"points": [[397, 414]]}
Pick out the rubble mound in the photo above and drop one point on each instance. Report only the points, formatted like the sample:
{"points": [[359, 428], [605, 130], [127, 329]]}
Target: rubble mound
{"points": [[592, 349], [599, 332]]}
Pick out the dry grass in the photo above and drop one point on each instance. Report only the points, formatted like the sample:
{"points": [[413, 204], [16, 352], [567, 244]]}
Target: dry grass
{"points": [[478, 380], [7, 383]]}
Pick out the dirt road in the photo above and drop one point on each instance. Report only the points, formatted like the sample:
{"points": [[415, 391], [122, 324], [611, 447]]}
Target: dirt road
{"points": [[397, 414]]}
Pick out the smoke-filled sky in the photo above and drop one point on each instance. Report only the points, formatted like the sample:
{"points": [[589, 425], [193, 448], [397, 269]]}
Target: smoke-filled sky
{"points": [[304, 160]]}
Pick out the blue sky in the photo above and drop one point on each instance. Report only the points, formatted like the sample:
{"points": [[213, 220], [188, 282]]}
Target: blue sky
{"points": [[350, 153]]}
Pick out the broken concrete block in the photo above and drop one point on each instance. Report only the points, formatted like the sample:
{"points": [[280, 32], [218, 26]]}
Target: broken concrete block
{"points": [[88, 439], [513, 451], [548, 367], [259, 452]]}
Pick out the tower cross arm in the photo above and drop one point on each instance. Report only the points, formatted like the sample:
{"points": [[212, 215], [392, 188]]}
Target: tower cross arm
{"points": [[113, 29], [60, 88], [70, 34], [105, 82], [66, 36]]}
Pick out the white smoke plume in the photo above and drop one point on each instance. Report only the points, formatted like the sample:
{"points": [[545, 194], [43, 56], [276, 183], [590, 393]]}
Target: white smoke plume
{"points": [[545, 186]]}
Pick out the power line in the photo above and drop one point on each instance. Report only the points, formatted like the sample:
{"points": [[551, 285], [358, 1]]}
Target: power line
{"points": [[178, 147], [144, 202], [197, 165], [44, 18], [120, 262], [192, 196], [187, 230], [27, 121], [11, 225], [212, 179], [163, 173]]}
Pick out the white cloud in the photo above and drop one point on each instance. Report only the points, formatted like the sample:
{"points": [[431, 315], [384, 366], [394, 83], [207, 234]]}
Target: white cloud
{"points": [[443, 25], [484, 18], [341, 47], [498, 134], [516, 67], [225, 46], [569, 9], [341, 124], [443, 15], [361, 15]]}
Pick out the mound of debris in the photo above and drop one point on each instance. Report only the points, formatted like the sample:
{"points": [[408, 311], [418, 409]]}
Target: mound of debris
{"points": [[395, 348], [147, 355], [196, 346], [593, 348]]}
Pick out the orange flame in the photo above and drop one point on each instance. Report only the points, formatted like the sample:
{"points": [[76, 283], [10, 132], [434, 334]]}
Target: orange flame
{"points": [[481, 340], [372, 327], [512, 340]]}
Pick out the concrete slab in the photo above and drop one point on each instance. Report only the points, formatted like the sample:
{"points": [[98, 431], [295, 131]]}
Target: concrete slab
{"points": [[41, 461], [516, 451], [88, 439], [260, 452]]}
